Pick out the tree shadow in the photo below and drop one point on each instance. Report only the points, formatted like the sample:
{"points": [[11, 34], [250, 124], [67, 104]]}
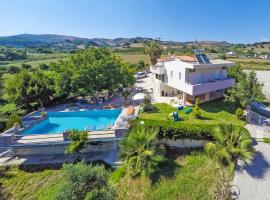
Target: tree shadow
{"points": [[218, 106], [204, 118], [166, 169], [169, 167], [154, 110], [3, 194], [257, 168]]}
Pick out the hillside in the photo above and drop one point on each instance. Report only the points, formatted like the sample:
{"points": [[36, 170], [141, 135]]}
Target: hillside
{"points": [[46, 40], [49, 43], [51, 40]]}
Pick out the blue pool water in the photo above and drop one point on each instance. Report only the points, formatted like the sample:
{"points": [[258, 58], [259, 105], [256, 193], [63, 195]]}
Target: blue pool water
{"points": [[58, 122]]}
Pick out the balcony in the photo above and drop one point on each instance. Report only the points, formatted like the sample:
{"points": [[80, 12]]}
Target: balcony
{"points": [[157, 69], [211, 86], [198, 89]]}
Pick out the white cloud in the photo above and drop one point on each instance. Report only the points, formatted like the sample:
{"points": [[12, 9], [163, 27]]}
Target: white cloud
{"points": [[265, 40]]}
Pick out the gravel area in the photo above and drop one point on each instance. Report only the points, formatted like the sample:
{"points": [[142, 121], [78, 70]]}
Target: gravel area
{"points": [[254, 179]]}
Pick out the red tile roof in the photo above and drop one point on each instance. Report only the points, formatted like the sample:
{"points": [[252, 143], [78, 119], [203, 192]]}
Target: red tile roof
{"points": [[165, 59], [182, 58], [186, 58]]}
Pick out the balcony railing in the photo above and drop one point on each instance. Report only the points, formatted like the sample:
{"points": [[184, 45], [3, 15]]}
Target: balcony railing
{"points": [[212, 86]]}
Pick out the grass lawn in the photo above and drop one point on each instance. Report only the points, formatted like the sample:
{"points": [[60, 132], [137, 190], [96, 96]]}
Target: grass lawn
{"points": [[180, 177], [19, 184], [266, 140], [212, 112], [133, 58], [36, 59]]}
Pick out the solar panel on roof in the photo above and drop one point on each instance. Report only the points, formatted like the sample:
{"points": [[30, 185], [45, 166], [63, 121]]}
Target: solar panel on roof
{"points": [[202, 58], [199, 59]]}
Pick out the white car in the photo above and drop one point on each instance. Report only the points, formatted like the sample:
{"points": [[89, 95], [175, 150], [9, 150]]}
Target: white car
{"points": [[140, 75]]}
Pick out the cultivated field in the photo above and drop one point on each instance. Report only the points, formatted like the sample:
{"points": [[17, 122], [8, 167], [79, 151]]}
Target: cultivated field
{"points": [[252, 64], [134, 58], [36, 59]]}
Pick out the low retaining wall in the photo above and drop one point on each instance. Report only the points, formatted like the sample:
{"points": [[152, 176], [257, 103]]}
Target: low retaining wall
{"points": [[59, 149], [183, 143]]}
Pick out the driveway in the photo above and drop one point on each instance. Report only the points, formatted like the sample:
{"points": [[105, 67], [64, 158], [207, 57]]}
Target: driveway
{"points": [[264, 77], [254, 179]]}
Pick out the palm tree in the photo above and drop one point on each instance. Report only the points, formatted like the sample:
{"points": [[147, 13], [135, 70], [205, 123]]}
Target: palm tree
{"points": [[232, 143], [153, 50], [140, 152]]}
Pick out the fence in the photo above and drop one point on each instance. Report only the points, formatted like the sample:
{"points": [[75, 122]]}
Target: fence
{"points": [[262, 123]]}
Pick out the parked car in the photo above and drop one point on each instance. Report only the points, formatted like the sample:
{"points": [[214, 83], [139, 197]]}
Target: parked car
{"points": [[140, 75]]}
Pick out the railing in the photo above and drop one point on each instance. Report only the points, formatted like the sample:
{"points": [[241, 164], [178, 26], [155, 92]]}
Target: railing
{"points": [[212, 86], [260, 121]]}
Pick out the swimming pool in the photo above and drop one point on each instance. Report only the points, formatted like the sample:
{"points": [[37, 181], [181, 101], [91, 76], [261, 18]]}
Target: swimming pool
{"points": [[58, 122]]}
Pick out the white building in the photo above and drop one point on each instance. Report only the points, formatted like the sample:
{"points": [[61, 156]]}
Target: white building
{"points": [[265, 56], [231, 53], [191, 77]]}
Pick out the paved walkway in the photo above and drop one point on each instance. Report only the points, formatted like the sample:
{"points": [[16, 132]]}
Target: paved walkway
{"points": [[254, 179]]}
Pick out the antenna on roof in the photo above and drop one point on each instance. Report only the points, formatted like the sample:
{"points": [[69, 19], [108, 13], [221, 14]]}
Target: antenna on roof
{"points": [[198, 51], [159, 38]]}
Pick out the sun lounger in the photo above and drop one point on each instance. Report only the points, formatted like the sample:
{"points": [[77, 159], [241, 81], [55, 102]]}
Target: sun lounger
{"points": [[188, 110]]}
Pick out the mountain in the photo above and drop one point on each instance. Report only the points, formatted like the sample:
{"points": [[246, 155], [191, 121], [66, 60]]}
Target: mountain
{"points": [[64, 42], [45, 40], [51, 40]]}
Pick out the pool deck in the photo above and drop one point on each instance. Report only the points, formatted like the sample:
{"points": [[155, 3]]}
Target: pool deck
{"points": [[58, 138]]}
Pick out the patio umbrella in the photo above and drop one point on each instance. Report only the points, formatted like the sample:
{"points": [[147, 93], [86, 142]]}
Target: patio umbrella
{"points": [[139, 96]]}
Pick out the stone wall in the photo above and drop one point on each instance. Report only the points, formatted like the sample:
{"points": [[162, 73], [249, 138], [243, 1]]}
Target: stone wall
{"points": [[59, 149]]}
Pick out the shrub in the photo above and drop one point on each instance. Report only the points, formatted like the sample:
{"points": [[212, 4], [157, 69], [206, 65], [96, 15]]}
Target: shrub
{"points": [[14, 69], [181, 130], [231, 144], [118, 174], [239, 113], [13, 118], [197, 112], [82, 181], [147, 105], [78, 139], [25, 66], [141, 153], [44, 114]]}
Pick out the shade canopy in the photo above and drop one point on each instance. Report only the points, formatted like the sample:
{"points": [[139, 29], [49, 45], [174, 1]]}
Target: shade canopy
{"points": [[139, 96]]}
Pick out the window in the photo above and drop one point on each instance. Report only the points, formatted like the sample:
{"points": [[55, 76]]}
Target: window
{"points": [[179, 76], [171, 74]]}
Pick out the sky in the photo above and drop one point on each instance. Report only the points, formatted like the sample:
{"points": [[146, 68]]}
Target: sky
{"points": [[237, 21]]}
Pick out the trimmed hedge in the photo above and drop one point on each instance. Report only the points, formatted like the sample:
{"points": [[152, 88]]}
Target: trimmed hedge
{"points": [[180, 130]]}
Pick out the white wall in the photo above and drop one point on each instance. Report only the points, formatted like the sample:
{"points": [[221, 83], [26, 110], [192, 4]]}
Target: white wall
{"points": [[202, 74]]}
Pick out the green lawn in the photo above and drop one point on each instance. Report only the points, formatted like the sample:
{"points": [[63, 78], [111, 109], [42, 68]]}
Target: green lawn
{"points": [[187, 177], [133, 58], [35, 59], [212, 112], [266, 140], [19, 184]]}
